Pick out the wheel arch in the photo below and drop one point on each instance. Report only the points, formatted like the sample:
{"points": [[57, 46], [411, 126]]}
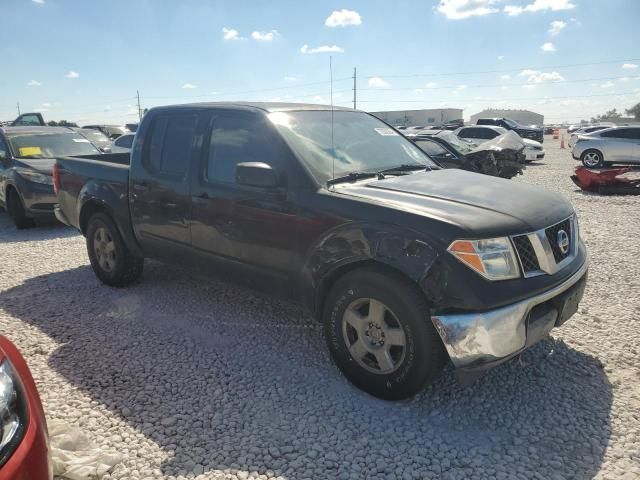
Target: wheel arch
{"points": [[402, 253]]}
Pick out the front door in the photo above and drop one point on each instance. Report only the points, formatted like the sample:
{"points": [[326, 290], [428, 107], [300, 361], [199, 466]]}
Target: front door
{"points": [[251, 231], [160, 192]]}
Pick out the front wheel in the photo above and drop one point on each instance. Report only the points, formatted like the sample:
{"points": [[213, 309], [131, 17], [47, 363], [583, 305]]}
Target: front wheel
{"points": [[380, 335], [111, 260], [16, 211], [592, 158]]}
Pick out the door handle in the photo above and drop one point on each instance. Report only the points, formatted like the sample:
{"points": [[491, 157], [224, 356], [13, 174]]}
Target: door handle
{"points": [[141, 187]]}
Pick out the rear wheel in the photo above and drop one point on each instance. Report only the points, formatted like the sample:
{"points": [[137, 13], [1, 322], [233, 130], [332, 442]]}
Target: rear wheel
{"points": [[16, 211], [592, 158], [380, 335], [112, 262]]}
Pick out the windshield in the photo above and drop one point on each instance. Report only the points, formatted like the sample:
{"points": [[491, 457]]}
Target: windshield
{"points": [[361, 143], [49, 145], [511, 123], [95, 136], [456, 142]]}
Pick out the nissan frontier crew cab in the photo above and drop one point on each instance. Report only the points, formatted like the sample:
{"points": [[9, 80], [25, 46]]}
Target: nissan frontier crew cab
{"points": [[406, 264]]}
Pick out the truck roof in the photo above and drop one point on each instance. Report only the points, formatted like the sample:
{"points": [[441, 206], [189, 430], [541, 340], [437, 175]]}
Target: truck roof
{"points": [[36, 129], [264, 106]]}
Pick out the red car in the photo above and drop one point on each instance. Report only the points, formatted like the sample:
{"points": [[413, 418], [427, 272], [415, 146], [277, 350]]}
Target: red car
{"points": [[24, 444]]}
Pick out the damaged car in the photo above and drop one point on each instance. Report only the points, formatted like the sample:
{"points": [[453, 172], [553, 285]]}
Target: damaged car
{"points": [[407, 265], [502, 156], [608, 181]]}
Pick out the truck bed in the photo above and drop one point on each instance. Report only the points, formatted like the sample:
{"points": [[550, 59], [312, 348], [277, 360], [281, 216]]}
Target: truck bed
{"points": [[80, 178]]}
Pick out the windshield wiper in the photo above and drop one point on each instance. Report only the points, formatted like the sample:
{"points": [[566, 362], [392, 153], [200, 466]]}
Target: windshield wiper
{"points": [[405, 167], [353, 176]]}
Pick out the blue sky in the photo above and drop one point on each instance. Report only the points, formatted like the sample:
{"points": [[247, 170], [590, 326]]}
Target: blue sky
{"points": [[84, 60]]}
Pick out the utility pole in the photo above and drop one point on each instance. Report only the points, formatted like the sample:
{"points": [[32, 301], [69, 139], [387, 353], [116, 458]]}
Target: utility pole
{"points": [[139, 111], [354, 88], [18, 105]]}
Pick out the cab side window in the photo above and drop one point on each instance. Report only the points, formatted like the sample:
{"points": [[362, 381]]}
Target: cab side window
{"points": [[171, 144], [431, 148], [238, 137]]}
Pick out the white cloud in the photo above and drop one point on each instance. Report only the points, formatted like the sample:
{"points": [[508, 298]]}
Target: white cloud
{"points": [[72, 74], [512, 10], [528, 87], [504, 88], [322, 49], [34, 83], [624, 79], [189, 86], [534, 76], [539, 6], [461, 9], [431, 85], [107, 108], [505, 77], [230, 34], [608, 84], [500, 57], [343, 18], [419, 91], [629, 66], [548, 47], [377, 82], [461, 87], [39, 2], [264, 36], [46, 105], [557, 26], [290, 78]]}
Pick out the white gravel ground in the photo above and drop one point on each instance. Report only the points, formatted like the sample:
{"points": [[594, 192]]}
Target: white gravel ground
{"points": [[188, 377]]}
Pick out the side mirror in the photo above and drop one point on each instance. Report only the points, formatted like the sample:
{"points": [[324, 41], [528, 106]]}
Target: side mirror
{"points": [[256, 174]]}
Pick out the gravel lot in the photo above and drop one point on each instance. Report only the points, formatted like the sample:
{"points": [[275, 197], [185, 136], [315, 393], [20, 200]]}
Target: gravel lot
{"points": [[188, 377]]}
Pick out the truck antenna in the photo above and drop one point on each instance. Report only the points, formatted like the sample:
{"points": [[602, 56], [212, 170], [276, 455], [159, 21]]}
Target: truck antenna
{"points": [[333, 148]]}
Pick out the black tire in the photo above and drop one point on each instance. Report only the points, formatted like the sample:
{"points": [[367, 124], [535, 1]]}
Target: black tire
{"points": [[16, 211], [123, 267], [424, 355], [590, 157]]}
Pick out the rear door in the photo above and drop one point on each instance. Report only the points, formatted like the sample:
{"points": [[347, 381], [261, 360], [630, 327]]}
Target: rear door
{"points": [[160, 193], [618, 145], [635, 137], [250, 230]]}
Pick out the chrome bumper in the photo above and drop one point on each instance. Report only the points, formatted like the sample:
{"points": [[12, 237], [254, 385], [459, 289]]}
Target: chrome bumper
{"points": [[487, 338]]}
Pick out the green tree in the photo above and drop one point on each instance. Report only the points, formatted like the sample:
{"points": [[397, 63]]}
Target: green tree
{"points": [[611, 114], [635, 111], [61, 123]]}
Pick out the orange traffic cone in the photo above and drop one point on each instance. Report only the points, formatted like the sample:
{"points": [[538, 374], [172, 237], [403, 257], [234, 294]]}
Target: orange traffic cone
{"points": [[562, 142]]}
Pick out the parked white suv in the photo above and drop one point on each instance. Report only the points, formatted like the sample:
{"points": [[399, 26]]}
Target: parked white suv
{"points": [[481, 133], [612, 145]]}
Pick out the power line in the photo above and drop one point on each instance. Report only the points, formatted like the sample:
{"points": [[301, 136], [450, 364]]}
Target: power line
{"points": [[507, 98], [445, 87], [477, 72]]}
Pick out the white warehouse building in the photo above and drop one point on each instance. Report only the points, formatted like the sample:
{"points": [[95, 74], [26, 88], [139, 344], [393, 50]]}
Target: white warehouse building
{"points": [[523, 117], [423, 118]]}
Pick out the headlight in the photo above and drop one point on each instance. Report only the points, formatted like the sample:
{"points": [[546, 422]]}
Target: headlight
{"points": [[13, 411], [494, 258], [35, 176]]}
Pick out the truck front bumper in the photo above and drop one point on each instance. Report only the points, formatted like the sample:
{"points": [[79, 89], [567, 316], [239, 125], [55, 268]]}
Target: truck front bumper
{"points": [[478, 341]]}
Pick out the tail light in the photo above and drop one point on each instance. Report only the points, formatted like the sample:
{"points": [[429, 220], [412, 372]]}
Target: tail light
{"points": [[55, 172]]}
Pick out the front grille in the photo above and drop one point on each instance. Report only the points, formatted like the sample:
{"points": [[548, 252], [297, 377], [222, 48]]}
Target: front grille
{"points": [[527, 254], [552, 236]]}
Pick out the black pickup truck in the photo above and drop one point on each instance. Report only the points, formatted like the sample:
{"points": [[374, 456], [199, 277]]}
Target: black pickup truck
{"points": [[407, 265], [536, 134]]}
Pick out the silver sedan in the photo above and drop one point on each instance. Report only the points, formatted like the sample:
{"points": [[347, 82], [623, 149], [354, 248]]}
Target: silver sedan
{"points": [[612, 145]]}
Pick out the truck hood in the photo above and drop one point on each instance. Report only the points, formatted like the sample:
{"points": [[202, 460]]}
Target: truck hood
{"points": [[40, 165], [480, 204]]}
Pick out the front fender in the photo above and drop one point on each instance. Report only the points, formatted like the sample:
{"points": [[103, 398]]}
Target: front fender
{"points": [[345, 247]]}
